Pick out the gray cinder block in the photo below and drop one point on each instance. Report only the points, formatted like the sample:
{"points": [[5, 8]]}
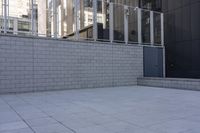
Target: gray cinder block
{"points": [[39, 64]]}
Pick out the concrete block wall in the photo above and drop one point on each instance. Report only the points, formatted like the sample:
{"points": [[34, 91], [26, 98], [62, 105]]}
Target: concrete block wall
{"points": [[176, 83], [37, 64]]}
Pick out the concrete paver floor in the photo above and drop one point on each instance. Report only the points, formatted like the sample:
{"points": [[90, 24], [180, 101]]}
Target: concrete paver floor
{"points": [[104, 110]]}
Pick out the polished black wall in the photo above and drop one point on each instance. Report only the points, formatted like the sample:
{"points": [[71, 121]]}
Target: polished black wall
{"points": [[182, 37]]}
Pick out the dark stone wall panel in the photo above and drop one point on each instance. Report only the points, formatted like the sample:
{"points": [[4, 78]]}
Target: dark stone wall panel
{"points": [[182, 37]]}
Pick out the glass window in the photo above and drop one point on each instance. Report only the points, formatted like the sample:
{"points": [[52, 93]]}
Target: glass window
{"points": [[1, 23], [103, 20], [157, 28], [86, 19], [23, 26], [132, 25], [146, 26], [118, 22], [11, 24]]}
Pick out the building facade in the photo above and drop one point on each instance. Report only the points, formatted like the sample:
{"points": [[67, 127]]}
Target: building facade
{"points": [[182, 38]]}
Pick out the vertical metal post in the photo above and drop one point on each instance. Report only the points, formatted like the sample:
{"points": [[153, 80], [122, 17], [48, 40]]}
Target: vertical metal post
{"points": [[8, 5], [15, 26], [62, 18], [82, 13], [104, 11], [5, 16], [126, 14], [111, 22], [152, 27], [1, 28], [162, 29], [139, 17], [164, 63], [32, 26], [162, 43], [33, 18], [76, 18], [95, 30], [2, 8], [55, 19]]}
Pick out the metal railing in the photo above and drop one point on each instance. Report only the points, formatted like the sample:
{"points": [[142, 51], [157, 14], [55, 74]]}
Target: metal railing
{"points": [[112, 22]]}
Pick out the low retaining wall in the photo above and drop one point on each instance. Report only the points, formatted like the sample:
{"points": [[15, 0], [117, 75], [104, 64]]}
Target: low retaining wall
{"points": [[37, 64], [177, 83]]}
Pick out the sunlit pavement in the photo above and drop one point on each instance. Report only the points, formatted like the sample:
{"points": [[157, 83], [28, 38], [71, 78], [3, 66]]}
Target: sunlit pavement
{"points": [[104, 110]]}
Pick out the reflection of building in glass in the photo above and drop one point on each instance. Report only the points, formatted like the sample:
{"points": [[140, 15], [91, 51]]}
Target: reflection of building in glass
{"points": [[19, 16], [65, 16], [17, 8], [151, 4], [57, 18]]}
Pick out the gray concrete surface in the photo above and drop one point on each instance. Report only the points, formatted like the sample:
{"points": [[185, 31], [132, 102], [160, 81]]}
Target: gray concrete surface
{"points": [[105, 110], [34, 64]]}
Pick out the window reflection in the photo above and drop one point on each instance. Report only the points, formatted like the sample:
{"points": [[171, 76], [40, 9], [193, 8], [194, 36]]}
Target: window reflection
{"points": [[132, 24], [103, 20], [18, 16], [58, 18], [145, 26], [155, 5], [157, 28], [118, 22]]}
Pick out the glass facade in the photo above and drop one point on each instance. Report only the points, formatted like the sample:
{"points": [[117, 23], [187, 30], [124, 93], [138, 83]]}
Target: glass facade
{"points": [[101, 20], [155, 5]]}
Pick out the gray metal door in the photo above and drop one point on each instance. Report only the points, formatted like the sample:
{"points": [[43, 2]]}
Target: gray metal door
{"points": [[153, 62]]}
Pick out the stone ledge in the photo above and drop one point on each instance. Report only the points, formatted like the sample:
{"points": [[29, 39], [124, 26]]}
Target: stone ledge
{"points": [[176, 83]]}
